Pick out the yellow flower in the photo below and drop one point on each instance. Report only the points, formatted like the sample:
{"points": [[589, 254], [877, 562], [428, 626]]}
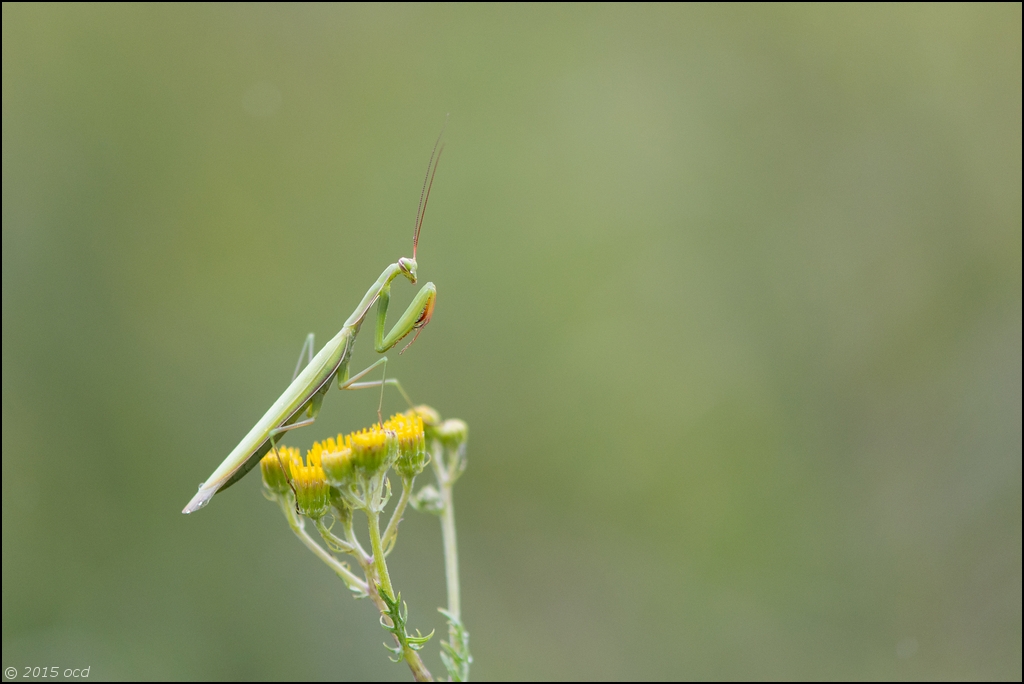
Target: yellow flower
{"points": [[335, 458], [275, 479], [412, 449], [371, 448], [312, 492]]}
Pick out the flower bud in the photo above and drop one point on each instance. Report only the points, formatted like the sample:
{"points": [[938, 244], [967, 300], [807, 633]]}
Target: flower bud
{"points": [[452, 432], [427, 414]]}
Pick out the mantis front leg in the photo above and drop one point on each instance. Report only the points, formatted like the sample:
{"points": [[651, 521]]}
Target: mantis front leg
{"points": [[415, 317]]}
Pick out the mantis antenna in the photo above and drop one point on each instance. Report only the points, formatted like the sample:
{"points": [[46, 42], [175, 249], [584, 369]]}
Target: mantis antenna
{"points": [[428, 182]]}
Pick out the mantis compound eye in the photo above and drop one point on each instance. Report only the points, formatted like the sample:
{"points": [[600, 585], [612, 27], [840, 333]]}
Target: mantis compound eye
{"points": [[408, 267]]}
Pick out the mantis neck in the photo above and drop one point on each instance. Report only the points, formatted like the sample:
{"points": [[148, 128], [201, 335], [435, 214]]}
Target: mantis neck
{"points": [[389, 274]]}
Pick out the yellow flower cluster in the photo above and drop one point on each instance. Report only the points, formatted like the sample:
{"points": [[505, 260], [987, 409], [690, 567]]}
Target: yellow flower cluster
{"points": [[365, 451], [370, 449], [399, 442]]}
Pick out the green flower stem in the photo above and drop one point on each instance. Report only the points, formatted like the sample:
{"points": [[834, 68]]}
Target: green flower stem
{"points": [[419, 670], [455, 653], [445, 480], [451, 553], [298, 527], [378, 553], [391, 531]]}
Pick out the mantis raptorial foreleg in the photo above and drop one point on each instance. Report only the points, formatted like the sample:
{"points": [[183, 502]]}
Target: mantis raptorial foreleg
{"points": [[415, 317]]}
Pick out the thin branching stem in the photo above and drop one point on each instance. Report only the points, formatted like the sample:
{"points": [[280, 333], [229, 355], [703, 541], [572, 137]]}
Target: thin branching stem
{"points": [[391, 531], [334, 542], [298, 527], [350, 535]]}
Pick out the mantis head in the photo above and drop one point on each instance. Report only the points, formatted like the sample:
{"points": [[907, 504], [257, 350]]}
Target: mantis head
{"points": [[408, 267]]}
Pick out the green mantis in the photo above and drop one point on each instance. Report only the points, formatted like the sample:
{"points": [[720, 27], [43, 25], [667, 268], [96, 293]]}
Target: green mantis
{"points": [[305, 394]]}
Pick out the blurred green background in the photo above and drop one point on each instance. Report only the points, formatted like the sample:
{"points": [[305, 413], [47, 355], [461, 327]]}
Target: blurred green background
{"points": [[730, 298]]}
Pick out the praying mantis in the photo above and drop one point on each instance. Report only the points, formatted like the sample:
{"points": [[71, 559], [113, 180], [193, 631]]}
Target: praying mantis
{"points": [[305, 394]]}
